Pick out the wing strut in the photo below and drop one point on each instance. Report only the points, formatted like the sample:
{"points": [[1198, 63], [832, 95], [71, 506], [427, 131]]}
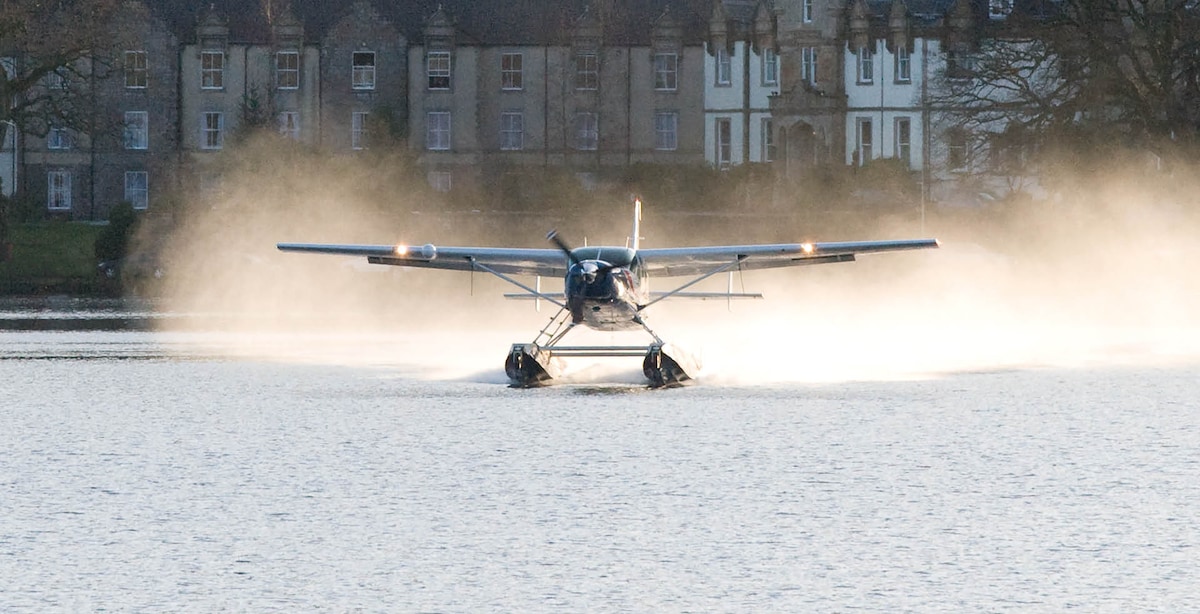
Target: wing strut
{"points": [[720, 269], [535, 292]]}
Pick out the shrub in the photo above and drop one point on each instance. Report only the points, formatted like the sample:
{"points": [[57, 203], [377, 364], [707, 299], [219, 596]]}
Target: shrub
{"points": [[114, 240]]}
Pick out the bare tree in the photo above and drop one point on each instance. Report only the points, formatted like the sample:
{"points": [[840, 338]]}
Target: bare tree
{"points": [[1108, 73], [51, 52]]}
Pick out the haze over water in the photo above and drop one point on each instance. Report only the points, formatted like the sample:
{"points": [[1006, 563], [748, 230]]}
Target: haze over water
{"points": [[159, 472], [1005, 424]]}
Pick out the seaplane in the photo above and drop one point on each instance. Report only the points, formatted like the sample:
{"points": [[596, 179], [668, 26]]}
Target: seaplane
{"points": [[607, 288]]}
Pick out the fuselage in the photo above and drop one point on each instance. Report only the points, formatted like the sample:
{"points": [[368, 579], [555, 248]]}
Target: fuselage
{"points": [[605, 288]]}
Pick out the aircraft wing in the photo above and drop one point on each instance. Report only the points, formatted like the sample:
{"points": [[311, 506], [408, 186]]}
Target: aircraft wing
{"points": [[510, 261], [678, 261]]}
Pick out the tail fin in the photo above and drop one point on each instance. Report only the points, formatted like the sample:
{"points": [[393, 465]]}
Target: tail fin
{"points": [[637, 224]]}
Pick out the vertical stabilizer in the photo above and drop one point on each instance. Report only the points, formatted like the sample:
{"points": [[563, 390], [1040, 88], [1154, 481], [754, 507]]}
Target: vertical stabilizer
{"points": [[637, 224]]}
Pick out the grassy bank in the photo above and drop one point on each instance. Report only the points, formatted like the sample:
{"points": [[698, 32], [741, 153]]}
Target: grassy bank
{"points": [[52, 258]]}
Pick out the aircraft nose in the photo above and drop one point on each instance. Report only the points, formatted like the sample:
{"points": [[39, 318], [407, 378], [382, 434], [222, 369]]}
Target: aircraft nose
{"points": [[589, 272]]}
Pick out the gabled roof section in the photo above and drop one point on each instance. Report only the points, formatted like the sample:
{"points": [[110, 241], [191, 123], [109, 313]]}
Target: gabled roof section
{"points": [[741, 11], [482, 22]]}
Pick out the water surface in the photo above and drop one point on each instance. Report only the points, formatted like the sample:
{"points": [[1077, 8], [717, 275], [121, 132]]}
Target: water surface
{"points": [[151, 472]]}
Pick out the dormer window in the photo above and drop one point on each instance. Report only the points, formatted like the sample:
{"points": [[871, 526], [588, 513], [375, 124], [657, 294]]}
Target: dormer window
{"points": [[866, 65], [287, 70], [587, 71], [999, 9], [212, 70], [437, 67], [903, 65], [135, 69], [666, 71], [511, 71], [362, 74], [724, 67], [770, 67]]}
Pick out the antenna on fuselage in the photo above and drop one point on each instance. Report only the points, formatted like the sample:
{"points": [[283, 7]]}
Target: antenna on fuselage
{"points": [[633, 241]]}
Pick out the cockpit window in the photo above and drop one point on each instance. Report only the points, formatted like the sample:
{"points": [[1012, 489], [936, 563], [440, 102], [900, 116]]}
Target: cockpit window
{"points": [[616, 256]]}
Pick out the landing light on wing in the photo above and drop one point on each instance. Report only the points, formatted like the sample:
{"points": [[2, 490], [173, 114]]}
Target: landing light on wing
{"points": [[401, 250], [807, 248]]}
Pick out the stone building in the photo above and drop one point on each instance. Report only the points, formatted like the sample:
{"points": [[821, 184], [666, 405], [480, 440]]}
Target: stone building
{"points": [[741, 77], [364, 81], [497, 94], [228, 84], [590, 96], [131, 141]]}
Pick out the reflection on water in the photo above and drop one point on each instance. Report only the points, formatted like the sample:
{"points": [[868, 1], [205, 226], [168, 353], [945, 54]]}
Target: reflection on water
{"points": [[193, 480]]}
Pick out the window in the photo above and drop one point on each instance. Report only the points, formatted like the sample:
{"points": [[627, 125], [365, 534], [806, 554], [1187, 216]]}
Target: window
{"points": [[724, 67], [440, 181], [866, 65], [770, 67], [666, 71], [135, 69], [510, 71], [56, 80], [724, 144], [999, 9], [956, 150], [666, 130], [904, 140], [959, 64], [587, 131], [438, 69], [903, 65], [212, 70], [437, 130], [358, 130], [289, 124], [362, 70], [1008, 152], [587, 71], [512, 131], [58, 190], [768, 140], [212, 131], [137, 130], [865, 142], [137, 189], [58, 138], [806, 11], [287, 70], [808, 65]]}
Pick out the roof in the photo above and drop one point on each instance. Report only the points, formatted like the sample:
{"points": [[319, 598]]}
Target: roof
{"points": [[486, 22]]}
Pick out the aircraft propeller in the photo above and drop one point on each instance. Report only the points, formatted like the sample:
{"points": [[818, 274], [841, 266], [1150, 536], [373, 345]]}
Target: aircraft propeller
{"points": [[553, 237], [591, 270]]}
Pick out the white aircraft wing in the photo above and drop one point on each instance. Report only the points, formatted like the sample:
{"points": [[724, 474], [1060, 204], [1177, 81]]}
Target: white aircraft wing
{"points": [[678, 261], [510, 261]]}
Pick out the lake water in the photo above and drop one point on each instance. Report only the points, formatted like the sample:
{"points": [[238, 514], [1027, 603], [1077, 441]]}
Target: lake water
{"points": [[153, 472]]}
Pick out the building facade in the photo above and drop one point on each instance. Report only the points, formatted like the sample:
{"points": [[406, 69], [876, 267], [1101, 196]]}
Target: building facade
{"points": [[129, 139], [585, 90], [741, 76], [363, 94], [486, 110], [227, 86]]}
